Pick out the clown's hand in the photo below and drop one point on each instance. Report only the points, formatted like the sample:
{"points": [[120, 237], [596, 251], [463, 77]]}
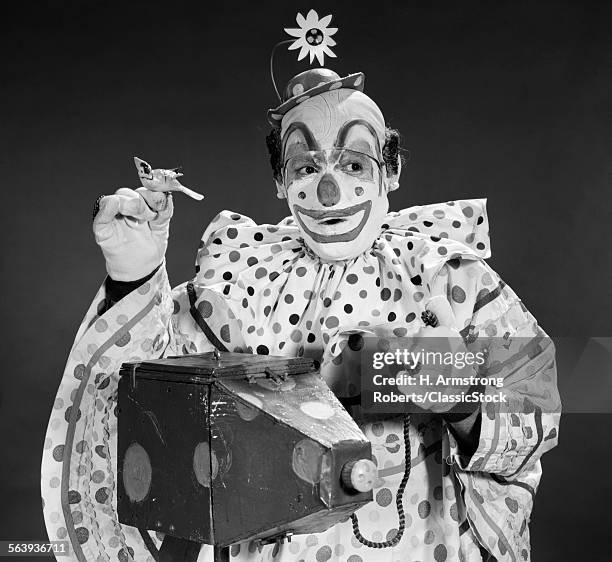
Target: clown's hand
{"points": [[132, 227], [441, 374]]}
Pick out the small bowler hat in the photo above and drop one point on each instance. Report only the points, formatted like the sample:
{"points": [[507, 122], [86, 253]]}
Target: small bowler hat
{"points": [[310, 83]]}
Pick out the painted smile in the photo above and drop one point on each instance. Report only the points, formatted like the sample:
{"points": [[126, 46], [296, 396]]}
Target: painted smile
{"points": [[337, 225]]}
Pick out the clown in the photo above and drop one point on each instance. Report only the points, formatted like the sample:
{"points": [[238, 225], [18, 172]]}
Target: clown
{"points": [[338, 267]]}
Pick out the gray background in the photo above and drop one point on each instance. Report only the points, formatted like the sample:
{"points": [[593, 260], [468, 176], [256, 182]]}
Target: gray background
{"points": [[508, 100]]}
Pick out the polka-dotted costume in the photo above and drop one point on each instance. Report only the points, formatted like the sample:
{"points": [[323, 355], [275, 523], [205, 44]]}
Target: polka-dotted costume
{"points": [[261, 290]]}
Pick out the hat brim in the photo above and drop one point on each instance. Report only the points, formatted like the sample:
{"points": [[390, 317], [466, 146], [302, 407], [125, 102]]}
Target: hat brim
{"points": [[352, 82]]}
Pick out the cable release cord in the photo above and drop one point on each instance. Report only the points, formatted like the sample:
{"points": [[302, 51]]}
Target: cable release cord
{"points": [[398, 499]]}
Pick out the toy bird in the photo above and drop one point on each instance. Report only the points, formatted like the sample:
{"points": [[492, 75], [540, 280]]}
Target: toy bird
{"points": [[163, 180]]}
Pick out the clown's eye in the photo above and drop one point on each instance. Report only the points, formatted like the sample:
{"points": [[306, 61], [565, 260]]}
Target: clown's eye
{"points": [[307, 170], [354, 167]]}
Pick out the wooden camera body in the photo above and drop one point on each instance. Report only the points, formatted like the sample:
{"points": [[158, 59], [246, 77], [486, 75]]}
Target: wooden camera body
{"points": [[219, 448]]}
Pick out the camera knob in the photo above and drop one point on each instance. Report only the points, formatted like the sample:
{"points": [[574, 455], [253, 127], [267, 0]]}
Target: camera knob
{"points": [[359, 475]]}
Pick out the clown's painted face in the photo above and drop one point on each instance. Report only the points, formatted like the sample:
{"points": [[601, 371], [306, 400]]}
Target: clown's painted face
{"points": [[333, 172]]}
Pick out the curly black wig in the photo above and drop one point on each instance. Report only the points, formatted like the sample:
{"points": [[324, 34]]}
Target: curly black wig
{"points": [[391, 151]]}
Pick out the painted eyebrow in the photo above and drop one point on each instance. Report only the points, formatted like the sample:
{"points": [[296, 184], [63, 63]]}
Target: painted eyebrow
{"points": [[344, 130], [360, 145], [308, 136]]}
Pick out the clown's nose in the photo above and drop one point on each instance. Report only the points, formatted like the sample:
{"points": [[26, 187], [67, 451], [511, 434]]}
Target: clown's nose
{"points": [[328, 191]]}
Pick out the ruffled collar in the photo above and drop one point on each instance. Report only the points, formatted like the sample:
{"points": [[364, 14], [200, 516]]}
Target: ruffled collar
{"points": [[288, 301], [463, 222]]}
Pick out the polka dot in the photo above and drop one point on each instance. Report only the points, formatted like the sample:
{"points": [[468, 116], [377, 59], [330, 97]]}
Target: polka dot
{"points": [[440, 553], [384, 497], [458, 294], [298, 89], [410, 317], [144, 289], [82, 535], [356, 544], [324, 554], [123, 340], [231, 233], [102, 495], [424, 509], [296, 336], [354, 557], [262, 350], [225, 333], [74, 496], [61, 533], [392, 443], [294, 319], [351, 279], [205, 309], [97, 477], [54, 482], [123, 556], [58, 453], [311, 540], [317, 410], [261, 272], [332, 322], [430, 537], [468, 211], [512, 504]]}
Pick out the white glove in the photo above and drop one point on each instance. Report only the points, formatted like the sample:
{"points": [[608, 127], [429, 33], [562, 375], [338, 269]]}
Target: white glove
{"points": [[132, 227]]}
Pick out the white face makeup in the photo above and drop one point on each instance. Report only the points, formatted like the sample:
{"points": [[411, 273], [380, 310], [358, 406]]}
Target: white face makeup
{"points": [[333, 175]]}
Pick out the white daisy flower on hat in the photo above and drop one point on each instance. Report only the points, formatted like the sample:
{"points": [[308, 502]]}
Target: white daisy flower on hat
{"points": [[313, 36]]}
